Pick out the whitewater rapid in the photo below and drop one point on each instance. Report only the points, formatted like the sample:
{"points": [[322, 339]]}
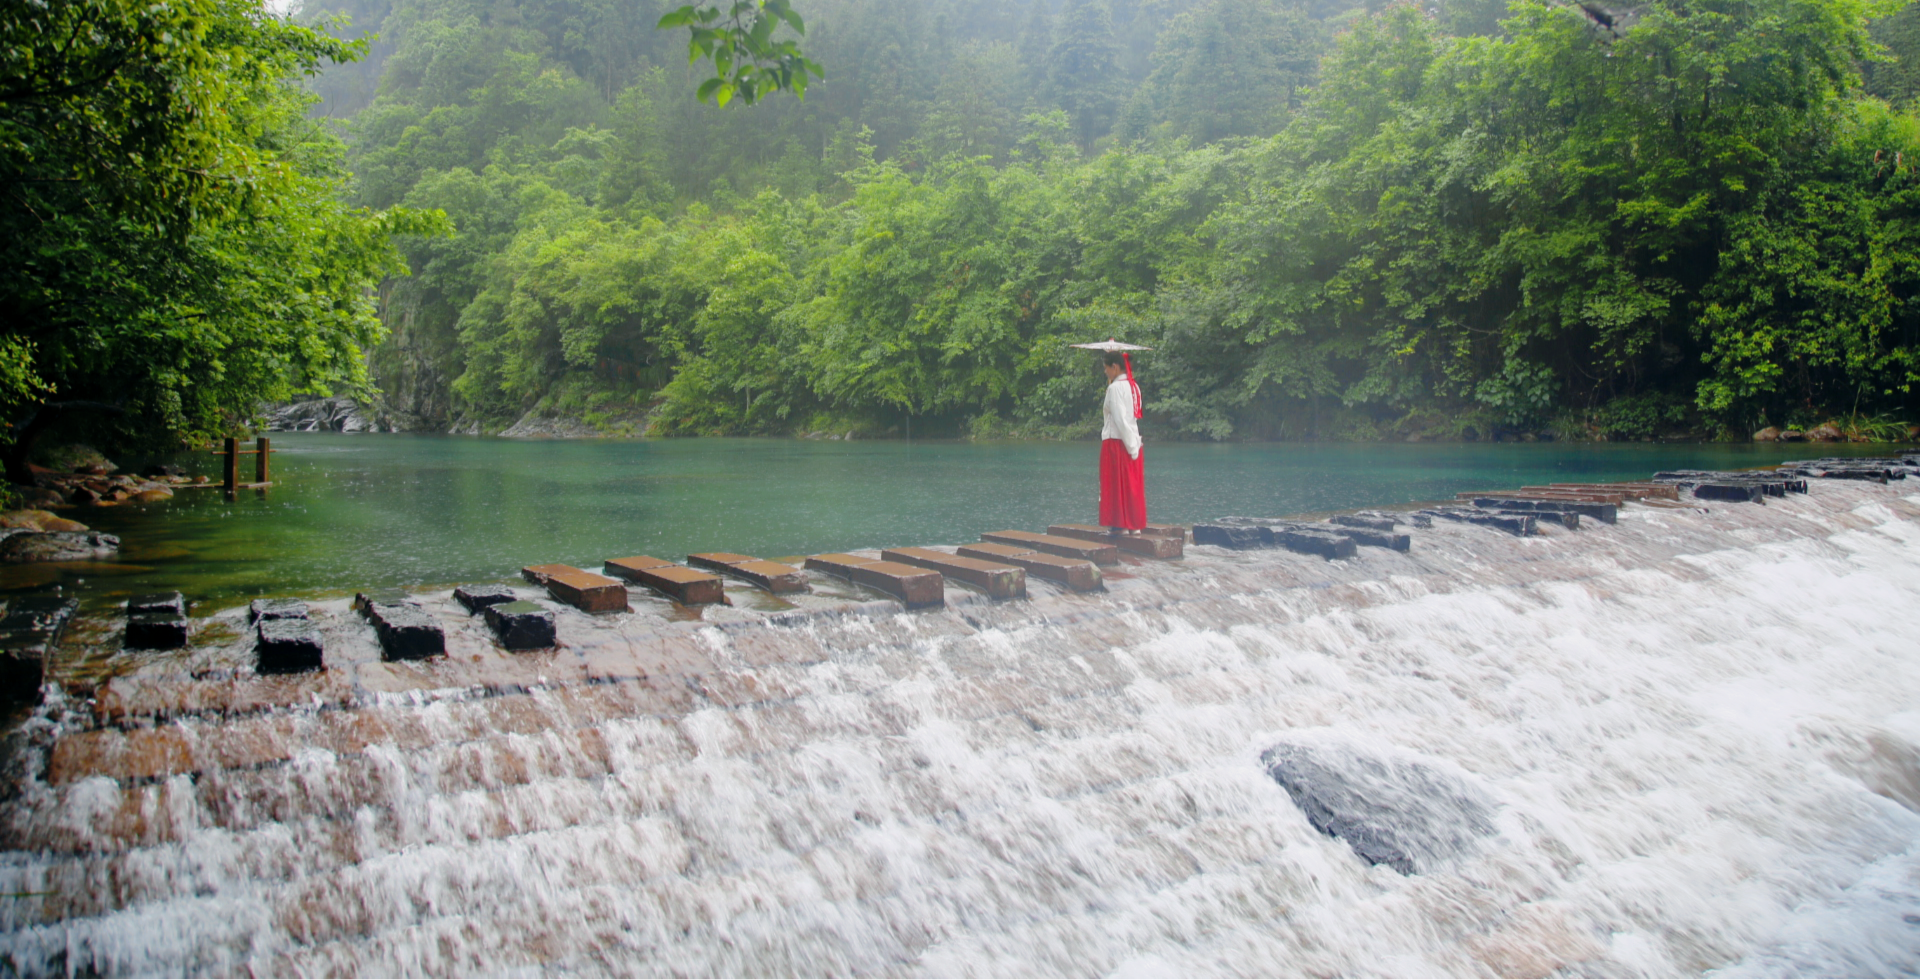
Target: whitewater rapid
{"points": [[1694, 738]]}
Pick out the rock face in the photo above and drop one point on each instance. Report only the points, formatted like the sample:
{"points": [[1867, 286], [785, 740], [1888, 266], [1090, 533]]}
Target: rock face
{"points": [[324, 415], [1824, 433], [58, 546], [1768, 434], [1405, 815], [533, 426]]}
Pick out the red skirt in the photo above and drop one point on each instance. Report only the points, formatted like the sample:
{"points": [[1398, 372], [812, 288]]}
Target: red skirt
{"points": [[1123, 486]]}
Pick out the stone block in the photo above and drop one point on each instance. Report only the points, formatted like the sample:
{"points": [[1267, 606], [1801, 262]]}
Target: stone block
{"points": [[1075, 574], [719, 561], [538, 574], [475, 598], [1147, 545], [1363, 521], [1098, 553], [286, 646], [1367, 537], [405, 631], [917, 587], [261, 610], [157, 603], [1166, 531], [684, 585], [1604, 513], [522, 625], [999, 580], [1518, 525], [363, 601], [156, 631], [625, 567], [770, 575], [837, 564], [1236, 537], [1744, 492], [587, 592], [1328, 546]]}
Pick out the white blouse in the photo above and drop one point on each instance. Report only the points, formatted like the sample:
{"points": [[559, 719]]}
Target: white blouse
{"points": [[1119, 421]]}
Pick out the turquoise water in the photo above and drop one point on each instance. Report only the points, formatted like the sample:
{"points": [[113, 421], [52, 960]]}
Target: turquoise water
{"points": [[355, 511]]}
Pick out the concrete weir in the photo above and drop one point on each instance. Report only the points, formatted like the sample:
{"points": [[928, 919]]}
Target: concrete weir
{"points": [[1672, 745]]}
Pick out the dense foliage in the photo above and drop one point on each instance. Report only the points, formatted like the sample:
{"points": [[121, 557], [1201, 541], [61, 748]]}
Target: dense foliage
{"points": [[1331, 221], [175, 246]]}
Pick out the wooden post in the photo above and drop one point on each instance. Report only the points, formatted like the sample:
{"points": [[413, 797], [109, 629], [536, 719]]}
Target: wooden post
{"points": [[232, 464], [260, 464]]}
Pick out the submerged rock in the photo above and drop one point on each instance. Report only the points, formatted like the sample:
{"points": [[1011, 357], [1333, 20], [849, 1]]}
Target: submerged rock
{"points": [[58, 546], [1408, 816]]}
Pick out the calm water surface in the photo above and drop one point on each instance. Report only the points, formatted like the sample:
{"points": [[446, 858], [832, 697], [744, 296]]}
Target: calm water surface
{"points": [[355, 511]]}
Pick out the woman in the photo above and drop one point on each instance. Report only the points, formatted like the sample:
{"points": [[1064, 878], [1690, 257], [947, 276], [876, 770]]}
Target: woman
{"points": [[1123, 491]]}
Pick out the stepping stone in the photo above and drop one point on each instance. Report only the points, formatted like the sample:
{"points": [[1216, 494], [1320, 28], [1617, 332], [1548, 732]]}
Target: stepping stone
{"points": [[1237, 537], [1075, 574], [1099, 554], [684, 585], [770, 575], [1328, 546], [265, 609], [1519, 525], [997, 579], [156, 631], [538, 574], [1369, 523], [522, 625], [718, 559], [586, 591], [1165, 531], [1632, 491], [478, 597], [1596, 496], [406, 631], [157, 603], [1604, 513], [286, 646], [1149, 545], [917, 587], [1548, 515], [362, 601], [1745, 492]]}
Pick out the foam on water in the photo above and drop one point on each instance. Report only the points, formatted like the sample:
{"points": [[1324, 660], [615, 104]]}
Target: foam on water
{"points": [[1693, 735]]}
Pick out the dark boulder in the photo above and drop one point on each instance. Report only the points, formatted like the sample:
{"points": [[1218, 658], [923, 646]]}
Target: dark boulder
{"points": [[286, 646], [1406, 815], [1328, 546], [522, 625], [1365, 521]]}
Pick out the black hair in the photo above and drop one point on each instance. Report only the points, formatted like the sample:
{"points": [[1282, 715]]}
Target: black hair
{"points": [[1114, 358]]}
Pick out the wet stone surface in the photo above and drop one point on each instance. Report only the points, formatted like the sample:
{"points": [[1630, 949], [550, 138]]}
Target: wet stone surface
{"points": [[264, 609]]}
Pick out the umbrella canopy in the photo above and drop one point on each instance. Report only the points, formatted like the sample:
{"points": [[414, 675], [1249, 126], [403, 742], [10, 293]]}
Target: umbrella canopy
{"points": [[1109, 344]]}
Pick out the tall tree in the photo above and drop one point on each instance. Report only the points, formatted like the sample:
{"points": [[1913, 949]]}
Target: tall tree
{"points": [[1083, 69], [173, 247]]}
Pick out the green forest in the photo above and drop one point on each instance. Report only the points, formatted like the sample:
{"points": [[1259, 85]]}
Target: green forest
{"points": [[1332, 219]]}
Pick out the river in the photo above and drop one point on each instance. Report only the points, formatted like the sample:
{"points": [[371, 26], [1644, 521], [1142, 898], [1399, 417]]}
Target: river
{"points": [[349, 512]]}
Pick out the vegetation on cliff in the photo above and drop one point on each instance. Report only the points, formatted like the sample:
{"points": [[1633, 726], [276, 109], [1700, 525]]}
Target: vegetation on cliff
{"points": [[1331, 221]]}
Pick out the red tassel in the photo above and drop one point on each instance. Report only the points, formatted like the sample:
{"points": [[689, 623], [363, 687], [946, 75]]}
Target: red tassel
{"points": [[1124, 356]]}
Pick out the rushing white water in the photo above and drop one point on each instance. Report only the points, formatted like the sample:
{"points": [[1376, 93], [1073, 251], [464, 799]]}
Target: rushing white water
{"points": [[1695, 737]]}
